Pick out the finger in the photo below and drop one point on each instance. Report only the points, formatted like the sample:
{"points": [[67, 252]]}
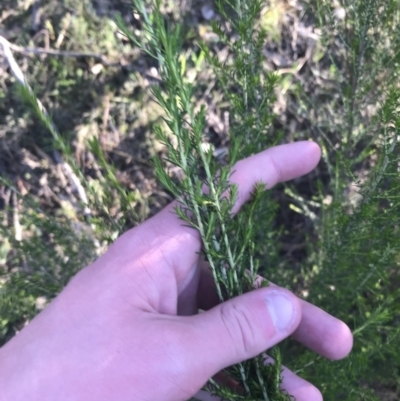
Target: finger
{"points": [[165, 240], [318, 330], [168, 233], [298, 388], [244, 327], [274, 165], [323, 333], [277, 164]]}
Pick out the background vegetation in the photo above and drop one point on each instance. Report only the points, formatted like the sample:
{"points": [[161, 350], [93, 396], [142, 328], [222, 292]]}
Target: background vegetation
{"points": [[332, 237]]}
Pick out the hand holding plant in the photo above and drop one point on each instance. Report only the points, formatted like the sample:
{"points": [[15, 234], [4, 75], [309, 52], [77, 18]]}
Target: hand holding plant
{"points": [[126, 328]]}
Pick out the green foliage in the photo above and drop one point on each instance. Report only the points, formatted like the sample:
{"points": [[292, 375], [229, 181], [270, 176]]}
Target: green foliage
{"points": [[352, 265], [345, 218], [247, 85], [40, 266], [206, 199]]}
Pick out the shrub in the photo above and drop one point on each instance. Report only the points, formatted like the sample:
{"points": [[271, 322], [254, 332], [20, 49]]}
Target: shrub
{"points": [[331, 237]]}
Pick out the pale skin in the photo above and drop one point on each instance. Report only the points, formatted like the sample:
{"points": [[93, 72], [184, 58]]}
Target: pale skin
{"points": [[125, 327]]}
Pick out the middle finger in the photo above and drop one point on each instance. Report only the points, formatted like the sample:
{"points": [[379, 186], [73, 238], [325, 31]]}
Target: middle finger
{"points": [[318, 330]]}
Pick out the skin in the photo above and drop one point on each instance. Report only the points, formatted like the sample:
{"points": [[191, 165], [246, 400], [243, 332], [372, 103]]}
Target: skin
{"points": [[125, 328]]}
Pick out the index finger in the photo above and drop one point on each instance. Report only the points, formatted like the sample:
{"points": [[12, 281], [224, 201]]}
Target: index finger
{"points": [[165, 234]]}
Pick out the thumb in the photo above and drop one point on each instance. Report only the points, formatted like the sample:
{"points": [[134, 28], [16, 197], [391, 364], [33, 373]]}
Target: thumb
{"points": [[245, 326]]}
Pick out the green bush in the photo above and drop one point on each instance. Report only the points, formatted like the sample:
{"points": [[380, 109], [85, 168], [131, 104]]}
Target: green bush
{"points": [[331, 237]]}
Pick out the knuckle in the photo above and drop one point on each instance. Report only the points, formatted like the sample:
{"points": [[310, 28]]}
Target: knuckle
{"points": [[237, 320]]}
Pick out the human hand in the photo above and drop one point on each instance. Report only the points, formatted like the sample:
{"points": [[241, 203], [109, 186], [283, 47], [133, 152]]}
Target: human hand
{"points": [[125, 327]]}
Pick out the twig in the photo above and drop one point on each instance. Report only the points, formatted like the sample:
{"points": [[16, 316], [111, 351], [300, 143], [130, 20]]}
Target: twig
{"points": [[17, 224], [66, 22], [53, 52], [19, 76], [106, 116], [46, 35], [6, 196], [69, 172], [59, 53]]}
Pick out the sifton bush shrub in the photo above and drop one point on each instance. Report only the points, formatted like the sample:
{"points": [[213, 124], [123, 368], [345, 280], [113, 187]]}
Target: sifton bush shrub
{"points": [[331, 237]]}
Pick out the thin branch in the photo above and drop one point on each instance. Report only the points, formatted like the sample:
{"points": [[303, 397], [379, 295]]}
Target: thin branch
{"points": [[17, 224], [19, 76], [59, 53], [69, 172]]}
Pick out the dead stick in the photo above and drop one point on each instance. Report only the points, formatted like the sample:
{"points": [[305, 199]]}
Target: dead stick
{"points": [[53, 52]]}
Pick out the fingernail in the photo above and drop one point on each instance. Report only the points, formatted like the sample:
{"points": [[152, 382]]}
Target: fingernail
{"points": [[281, 310]]}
